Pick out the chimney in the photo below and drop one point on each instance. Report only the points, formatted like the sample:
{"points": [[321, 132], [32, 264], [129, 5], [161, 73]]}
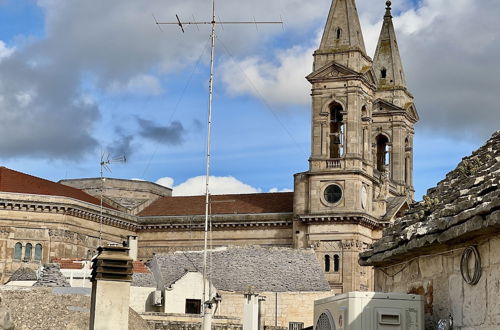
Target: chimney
{"points": [[111, 277], [133, 245]]}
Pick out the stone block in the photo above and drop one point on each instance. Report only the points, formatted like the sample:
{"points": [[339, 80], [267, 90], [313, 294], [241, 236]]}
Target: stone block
{"points": [[475, 303], [431, 266], [493, 288], [495, 246], [456, 298]]}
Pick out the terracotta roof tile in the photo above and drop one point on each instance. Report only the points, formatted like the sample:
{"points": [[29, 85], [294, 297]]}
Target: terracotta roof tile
{"points": [[221, 204], [17, 182]]}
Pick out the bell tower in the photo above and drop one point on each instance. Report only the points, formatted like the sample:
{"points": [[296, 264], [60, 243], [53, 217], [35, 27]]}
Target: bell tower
{"points": [[356, 179]]}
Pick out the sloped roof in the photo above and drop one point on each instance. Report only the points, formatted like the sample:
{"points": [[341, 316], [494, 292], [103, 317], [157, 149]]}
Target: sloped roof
{"points": [[240, 269], [17, 182], [23, 274], [466, 204], [221, 204], [394, 204]]}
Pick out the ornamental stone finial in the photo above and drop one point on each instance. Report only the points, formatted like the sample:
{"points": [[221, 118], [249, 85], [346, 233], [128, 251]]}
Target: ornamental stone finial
{"points": [[388, 3]]}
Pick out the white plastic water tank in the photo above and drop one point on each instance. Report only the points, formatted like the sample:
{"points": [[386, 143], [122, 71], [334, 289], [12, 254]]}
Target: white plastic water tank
{"points": [[369, 311]]}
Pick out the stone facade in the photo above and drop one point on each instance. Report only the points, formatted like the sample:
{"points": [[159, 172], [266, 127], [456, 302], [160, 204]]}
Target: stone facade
{"points": [[362, 138], [423, 251]]}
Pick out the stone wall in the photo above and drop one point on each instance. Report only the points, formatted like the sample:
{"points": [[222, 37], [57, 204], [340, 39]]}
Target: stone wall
{"points": [[279, 308], [438, 278]]}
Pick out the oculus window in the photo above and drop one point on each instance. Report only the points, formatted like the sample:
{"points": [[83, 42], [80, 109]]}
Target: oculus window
{"points": [[333, 194]]}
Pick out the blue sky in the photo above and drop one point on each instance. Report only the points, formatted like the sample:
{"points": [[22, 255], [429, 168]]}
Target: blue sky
{"points": [[81, 76]]}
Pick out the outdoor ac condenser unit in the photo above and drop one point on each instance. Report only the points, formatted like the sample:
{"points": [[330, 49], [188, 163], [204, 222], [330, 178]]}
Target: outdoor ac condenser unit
{"points": [[369, 311], [157, 298]]}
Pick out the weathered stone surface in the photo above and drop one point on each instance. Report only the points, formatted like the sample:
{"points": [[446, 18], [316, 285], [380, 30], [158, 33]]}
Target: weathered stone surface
{"points": [[466, 202], [473, 303], [241, 269], [41, 309], [24, 274], [52, 277], [455, 288]]}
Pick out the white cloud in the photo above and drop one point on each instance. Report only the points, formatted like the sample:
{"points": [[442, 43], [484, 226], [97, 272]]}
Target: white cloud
{"points": [[282, 83], [218, 186], [166, 182], [142, 84], [276, 190], [5, 51]]}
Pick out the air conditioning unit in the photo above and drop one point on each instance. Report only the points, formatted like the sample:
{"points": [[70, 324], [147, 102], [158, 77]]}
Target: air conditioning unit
{"points": [[369, 311], [157, 298]]}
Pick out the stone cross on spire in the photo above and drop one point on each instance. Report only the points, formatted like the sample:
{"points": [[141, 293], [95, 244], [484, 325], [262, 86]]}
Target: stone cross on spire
{"points": [[387, 62]]}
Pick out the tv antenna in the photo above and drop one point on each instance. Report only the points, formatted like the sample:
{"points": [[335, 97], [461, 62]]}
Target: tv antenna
{"points": [[106, 161], [207, 305]]}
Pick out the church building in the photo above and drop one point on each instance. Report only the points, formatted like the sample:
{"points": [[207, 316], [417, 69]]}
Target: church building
{"points": [[360, 177]]}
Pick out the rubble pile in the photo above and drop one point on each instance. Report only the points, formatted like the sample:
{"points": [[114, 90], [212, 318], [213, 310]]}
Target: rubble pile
{"points": [[52, 277]]}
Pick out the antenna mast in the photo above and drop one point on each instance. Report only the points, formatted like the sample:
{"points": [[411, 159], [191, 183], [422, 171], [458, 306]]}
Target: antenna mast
{"points": [[105, 162], [207, 305]]}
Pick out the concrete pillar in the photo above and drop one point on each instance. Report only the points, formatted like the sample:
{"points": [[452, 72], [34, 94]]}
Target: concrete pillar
{"points": [[251, 312], [261, 313], [133, 245], [110, 300]]}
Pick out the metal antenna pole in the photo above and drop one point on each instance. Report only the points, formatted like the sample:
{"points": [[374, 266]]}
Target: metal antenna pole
{"points": [[207, 303], [207, 176], [105, 162]]}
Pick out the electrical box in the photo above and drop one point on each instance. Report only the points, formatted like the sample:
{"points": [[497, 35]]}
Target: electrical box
{"points": [[369, 311]]}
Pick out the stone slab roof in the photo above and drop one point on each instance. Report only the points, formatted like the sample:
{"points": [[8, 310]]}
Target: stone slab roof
{"points": [[51, 276], [465, 205], [222, 204], [145, 280], [240, 269], [394, 204], [23, 274], [17, 182]]}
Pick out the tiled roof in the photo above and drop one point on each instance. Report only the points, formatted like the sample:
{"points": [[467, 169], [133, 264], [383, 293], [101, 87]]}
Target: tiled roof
{"points": [[221, 204], [17, 182], [241, 269]]}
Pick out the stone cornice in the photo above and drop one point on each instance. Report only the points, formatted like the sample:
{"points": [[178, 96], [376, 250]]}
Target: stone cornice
{"points": [[66, 206], [363, 220]]}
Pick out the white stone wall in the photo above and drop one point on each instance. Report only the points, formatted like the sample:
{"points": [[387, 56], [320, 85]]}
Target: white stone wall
{"points": [[439, 279]]}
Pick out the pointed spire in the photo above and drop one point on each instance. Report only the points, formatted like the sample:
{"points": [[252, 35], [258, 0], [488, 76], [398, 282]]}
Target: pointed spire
{"points": [[343, 30], [387, 62]]}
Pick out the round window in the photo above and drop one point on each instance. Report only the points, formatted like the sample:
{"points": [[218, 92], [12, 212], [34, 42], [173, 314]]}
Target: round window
{"points": [[333, 193]]}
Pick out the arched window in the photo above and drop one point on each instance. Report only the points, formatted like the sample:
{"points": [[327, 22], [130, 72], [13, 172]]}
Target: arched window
{"points": [[327, 263], [336, 263], [18, 251], [339, 33], [383, 154], [383, 73], [38, 252], [336, 131], [27, 252]]}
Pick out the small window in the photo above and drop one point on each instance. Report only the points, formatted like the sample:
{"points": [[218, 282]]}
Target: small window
{"points": [[333, 193], [27, 252], [327, 263], [193, 306], [383, 73], [336, 263], [18, 251], [38, 252], [339, 33]]}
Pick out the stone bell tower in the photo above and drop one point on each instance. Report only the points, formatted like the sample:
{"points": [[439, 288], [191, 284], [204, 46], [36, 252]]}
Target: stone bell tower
{"points": [[362, 131]]}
